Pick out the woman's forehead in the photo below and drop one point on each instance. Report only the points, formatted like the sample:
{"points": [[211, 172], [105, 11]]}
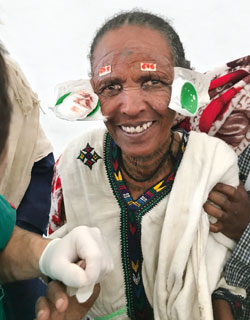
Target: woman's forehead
{"points": [[136, 70], [131, 44]]}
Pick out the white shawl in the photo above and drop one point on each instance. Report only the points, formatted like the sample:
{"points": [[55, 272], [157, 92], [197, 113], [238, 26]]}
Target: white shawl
{"points": [[186, 246]]}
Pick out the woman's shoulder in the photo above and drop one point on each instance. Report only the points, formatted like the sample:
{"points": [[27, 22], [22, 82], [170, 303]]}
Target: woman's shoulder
{"points": [[93, 135], [203, 139], [211, 150], [203, 142], [211, 157]]}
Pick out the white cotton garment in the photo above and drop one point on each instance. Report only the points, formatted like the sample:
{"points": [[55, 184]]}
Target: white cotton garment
{"points": [[183, 262]]}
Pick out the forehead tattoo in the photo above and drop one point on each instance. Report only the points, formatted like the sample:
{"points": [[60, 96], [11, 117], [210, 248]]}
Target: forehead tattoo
{"points": [[126, 52]]}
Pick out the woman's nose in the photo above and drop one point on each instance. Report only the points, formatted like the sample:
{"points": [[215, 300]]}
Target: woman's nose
{"points": [[132, 101]]}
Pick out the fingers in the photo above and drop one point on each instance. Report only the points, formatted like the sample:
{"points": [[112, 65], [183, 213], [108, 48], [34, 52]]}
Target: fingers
{"points": [[78, 310], [85, 243], [225, 189], [217, 199], [74, 275], [97, 255], [213, 210], [56, 303], [231, 208], [82, 264], [217, 213], [217, 205], [222, 195], [88, 304], [216, 227], [92, 267], [57, 295], [42, 309]]}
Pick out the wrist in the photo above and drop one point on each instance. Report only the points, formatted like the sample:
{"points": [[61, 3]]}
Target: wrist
{"points": [[38, 246], [45, 258]]}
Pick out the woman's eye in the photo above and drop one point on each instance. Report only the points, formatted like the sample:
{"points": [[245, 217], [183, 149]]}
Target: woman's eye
{"points": [[113, 87], [151, 84], [111, 90]]}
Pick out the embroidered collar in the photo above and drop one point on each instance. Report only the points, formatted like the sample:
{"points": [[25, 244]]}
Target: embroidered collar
{"points": [[132, 211]]}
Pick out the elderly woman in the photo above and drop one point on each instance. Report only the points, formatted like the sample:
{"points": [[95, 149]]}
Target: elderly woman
{"points": [[143, 184]]}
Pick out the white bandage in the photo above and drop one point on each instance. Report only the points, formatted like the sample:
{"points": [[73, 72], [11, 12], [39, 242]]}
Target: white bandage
{"points": [[58, 260], [189, 91], [76, 100]]}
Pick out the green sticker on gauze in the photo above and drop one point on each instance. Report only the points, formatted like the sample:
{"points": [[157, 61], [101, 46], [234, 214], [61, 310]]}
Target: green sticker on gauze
{"points": [[189, 91], [76, 100], [189, 98]]}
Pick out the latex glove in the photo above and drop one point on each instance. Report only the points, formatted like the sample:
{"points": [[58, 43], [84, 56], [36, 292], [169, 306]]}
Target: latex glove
{"points": [[58, 260]]}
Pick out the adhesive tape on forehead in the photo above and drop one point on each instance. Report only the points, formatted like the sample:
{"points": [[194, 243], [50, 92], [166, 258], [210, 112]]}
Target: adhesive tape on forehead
{"points": [[76, 100], [189, 91]]}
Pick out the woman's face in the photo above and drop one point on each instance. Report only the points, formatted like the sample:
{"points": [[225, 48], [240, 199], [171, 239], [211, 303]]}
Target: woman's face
{"points": [[135, 94]]}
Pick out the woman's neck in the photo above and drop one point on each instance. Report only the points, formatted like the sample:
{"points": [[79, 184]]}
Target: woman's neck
{"points": [[140, 173]]}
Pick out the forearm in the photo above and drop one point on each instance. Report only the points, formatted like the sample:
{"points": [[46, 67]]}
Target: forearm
{"points": [[228, 305], [222, 310], [20, 258]]}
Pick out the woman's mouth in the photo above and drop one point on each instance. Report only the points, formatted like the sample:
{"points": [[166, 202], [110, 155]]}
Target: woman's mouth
{"points": [[137, 129]]}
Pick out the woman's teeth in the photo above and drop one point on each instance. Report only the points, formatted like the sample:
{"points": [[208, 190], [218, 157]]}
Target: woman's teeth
{"points": [[137, 129]]}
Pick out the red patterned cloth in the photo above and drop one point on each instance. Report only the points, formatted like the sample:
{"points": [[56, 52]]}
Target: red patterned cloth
{"points": [[56, 212], [227, 116]]}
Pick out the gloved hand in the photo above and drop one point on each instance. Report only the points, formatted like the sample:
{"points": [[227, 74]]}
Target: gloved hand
{"points": [[59, 258]]}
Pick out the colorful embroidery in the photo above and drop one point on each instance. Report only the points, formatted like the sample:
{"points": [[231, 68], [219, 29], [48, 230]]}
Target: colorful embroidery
{"points": [[132, 212], [88, 157]]}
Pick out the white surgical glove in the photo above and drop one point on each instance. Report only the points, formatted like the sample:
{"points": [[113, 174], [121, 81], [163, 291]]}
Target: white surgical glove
{"points": [[58, 260]]}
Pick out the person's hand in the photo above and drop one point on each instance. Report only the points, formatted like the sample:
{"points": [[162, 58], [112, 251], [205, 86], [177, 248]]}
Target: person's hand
{"points": [[58, 261], [59, 306], [231, 208]]}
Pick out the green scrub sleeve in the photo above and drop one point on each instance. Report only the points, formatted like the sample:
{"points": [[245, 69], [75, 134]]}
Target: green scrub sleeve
{"points": [[7, 221]]}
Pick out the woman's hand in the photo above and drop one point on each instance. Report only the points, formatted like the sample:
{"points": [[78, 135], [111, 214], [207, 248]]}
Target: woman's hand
{"points": [[59, 306], [231, 207]]}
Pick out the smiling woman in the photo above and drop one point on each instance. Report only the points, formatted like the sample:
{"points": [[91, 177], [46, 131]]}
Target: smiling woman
{"points": [[133, 99], [143, 184]]}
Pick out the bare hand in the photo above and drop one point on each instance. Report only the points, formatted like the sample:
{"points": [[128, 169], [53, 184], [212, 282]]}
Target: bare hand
{"points": [[232, 210], [59, 306]]}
